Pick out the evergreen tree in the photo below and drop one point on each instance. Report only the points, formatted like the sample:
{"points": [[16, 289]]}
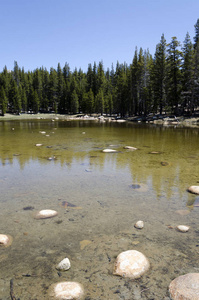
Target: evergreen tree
{"points": [[3, 101], [196, 38], [159, 75], [74, 103], [187, 72], [174, 74]]}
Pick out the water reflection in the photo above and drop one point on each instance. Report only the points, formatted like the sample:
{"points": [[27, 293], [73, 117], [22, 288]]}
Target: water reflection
{"points": [[167, 157]]}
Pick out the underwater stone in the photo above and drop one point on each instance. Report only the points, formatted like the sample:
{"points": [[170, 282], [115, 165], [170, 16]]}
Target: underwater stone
{"points": [[194, 189], [139, 224], [131, 263], [67, 291], [108, 151], [183, 228], [5, 240], [185, 287], [64, 265], [46, 213], [130, 148]]}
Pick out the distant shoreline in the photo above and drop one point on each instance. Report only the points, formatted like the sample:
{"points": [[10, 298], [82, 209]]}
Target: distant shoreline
{"points": [[167, 120]]}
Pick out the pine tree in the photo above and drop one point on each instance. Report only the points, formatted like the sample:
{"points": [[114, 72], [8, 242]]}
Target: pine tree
{"points": [[187, 72], [74, 103], [174, 75], [196, 38], [159, 75], [3, 101]]}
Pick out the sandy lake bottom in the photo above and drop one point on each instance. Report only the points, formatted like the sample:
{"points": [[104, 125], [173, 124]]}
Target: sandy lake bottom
{"points": [[99, 197]]}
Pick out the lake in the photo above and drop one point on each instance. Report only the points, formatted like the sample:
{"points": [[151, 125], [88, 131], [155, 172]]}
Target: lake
{"points": [[99, 197]]}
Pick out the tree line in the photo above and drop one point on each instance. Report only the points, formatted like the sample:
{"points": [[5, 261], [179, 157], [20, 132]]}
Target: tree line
{"points": [[165, 82]]}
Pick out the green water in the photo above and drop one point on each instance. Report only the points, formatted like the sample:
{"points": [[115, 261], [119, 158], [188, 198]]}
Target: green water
{"points": [[109, 192]]}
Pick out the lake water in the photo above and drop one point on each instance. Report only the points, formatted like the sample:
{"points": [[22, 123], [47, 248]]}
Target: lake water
{"points": [[99, 197]]}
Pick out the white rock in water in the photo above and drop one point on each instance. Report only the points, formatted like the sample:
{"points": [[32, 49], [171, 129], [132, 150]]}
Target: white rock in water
{"points": [[43, 132], [64, 265], [67, 291], [185, 287], [5, 240], [38, 145], [183, 228], [131, 264], [194, 189], [46, 213], [108, 150], [139, 224], [130, 148]]}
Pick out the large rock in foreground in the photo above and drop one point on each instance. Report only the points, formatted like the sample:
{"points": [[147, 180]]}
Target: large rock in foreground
{"points": [[131, 264], [67, 290], [185, 287], [194, 189]]}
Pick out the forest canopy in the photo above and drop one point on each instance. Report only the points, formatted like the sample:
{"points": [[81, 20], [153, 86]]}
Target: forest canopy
{"points": [[165, 82]]}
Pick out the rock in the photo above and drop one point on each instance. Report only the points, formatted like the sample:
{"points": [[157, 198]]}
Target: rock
{"points": [[185, 287], [38, 145], [5, 240], [130, 148], [131, 264], [64, 265], [194, 189], [46, 213], [183, 228], [67, 290], [108, 151], [139, 224], [84, 243], [183, 212]]}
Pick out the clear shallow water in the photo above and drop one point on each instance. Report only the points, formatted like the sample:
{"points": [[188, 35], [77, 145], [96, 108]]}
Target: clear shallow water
{"points": [[110, 192]]}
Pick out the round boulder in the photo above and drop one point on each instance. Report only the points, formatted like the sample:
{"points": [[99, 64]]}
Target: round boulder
{"points": [[194, 189], [185, 287], [5, 240], [131, 263], [46, 213], [67, 291]]}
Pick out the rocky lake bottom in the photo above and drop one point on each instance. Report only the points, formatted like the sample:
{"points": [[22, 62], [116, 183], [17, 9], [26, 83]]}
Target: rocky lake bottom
{"points": [[99, 197]]}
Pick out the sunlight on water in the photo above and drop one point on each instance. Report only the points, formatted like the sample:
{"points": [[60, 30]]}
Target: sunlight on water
{"points": [[99, 197]]}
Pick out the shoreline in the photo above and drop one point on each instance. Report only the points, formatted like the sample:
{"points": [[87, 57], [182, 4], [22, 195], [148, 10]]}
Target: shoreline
{"points": [[167, 120]]}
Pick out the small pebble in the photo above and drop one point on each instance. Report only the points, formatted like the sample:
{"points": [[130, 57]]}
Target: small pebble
{"points": [[183, 228], [139, 224], [64, 265]]}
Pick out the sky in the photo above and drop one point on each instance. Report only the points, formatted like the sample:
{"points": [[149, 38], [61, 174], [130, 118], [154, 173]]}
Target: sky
{"points": [[37, 33]]}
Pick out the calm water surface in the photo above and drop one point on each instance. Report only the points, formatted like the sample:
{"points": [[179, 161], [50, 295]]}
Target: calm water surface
{"points": [[99, 197]]}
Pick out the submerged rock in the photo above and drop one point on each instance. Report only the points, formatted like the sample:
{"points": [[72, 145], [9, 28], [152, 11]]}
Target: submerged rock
{"points": [[182, 228], [64, 265], [139, 225], [46, 213], [185, 287], [67, 290], [194, 189], [130, 148], [38, 145], [5, 240], [131, 264], [109, 150]]}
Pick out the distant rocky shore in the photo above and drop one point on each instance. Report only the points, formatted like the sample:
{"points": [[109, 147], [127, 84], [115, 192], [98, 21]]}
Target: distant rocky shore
{"points": [[192, 121]]}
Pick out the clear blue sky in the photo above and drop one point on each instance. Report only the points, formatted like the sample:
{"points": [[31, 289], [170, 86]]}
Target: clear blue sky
{"points": [[38, 33]]}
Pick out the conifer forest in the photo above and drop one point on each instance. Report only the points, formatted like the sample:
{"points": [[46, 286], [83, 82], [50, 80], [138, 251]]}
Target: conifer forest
{"points": [[168, 82]]}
